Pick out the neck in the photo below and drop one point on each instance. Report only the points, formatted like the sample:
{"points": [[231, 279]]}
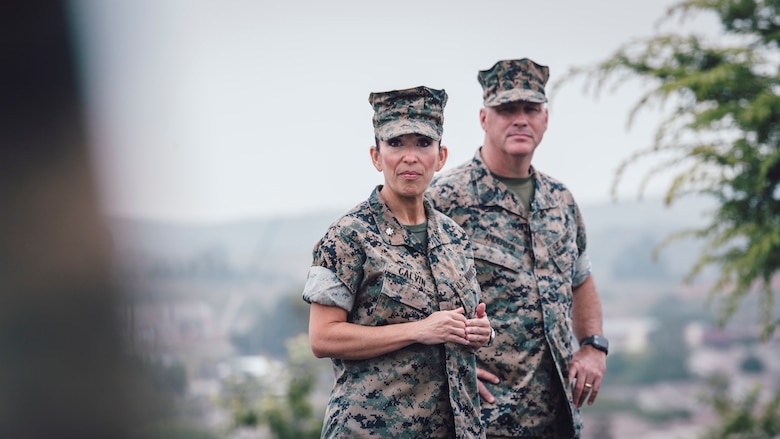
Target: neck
{"points": [[408, 211], [506, 165]]}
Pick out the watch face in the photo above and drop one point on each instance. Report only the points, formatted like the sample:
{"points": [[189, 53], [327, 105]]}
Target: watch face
{"points": [[600, 341]]}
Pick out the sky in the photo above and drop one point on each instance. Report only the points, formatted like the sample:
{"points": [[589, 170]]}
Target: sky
{"points": [[212, 111]]}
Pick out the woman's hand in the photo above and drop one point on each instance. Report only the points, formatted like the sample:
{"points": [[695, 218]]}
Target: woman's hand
{"points": [[330, 335], [478, 329], [443, 327]]}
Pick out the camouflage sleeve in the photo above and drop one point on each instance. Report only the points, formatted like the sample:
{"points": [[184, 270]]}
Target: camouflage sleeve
{"points": [[324, 287], [582, 269], [341, 252]]}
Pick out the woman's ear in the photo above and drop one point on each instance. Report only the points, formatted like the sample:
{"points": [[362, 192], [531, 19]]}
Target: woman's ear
{"points": [[375, 157], [443, 153]]}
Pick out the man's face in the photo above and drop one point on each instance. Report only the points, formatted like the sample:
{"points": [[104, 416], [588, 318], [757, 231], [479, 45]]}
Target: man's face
{"points": [[514, 128]]}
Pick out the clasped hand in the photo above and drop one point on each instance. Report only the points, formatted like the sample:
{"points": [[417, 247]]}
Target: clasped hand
{"points": [[453, 327]]}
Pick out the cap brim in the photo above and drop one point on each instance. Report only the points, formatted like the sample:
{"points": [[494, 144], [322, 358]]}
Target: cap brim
{"points": [[516, 95], [402, 127]]}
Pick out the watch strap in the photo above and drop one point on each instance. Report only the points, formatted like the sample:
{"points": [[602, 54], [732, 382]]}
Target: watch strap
{"points": [[492, 337], [597, 341]]}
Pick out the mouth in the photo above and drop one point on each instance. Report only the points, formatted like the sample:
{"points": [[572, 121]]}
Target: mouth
{"points": [[520, 134], [409, 175]]}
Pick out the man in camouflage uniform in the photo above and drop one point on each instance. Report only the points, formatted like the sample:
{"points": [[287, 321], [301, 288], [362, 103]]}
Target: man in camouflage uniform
{"points": [[529, 245], [393, 293]]}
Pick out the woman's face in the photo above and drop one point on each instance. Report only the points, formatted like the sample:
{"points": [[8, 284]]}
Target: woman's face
{"points": [[408, 163]]}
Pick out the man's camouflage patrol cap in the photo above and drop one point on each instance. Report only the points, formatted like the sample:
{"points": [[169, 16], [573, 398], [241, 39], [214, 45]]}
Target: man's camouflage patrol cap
{"points": [[513, 80], [418, 110]]}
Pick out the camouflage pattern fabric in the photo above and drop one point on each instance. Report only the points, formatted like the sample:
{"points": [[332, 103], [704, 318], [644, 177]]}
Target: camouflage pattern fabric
{"points": [[419, 391], [418, 110], [525, 267], [513, 80]]}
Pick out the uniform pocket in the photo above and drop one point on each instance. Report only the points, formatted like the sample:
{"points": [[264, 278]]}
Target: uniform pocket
{"points": [[563, 254], [404, 297], [466, 289], [495, 250]]}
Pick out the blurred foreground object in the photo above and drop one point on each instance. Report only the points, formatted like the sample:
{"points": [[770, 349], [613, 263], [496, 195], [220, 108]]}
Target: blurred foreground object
{"points": [[62, 369]]}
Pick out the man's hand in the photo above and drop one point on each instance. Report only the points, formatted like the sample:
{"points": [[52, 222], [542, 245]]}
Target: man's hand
{"points": [[483, 375], [586, 371]]}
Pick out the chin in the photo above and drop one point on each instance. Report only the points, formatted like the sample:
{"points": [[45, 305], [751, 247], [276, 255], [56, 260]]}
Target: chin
{"points": [[521, 149], [412, 193]]}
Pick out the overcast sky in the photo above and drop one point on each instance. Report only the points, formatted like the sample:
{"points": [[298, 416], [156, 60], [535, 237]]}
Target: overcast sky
{"points": [[210, 111]]}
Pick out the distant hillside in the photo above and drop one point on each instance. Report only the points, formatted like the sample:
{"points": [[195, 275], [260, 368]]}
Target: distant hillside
{"points": [[274, 248], [279, 249], [625, 233], [647, 214]]}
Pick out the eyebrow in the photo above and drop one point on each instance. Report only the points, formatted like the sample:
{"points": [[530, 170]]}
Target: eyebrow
{"points": [[416, 136], [518, 104]]}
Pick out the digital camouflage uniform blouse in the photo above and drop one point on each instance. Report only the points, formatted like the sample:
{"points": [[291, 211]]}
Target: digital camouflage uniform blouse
{"points": [[527, 264], [383, 276]]}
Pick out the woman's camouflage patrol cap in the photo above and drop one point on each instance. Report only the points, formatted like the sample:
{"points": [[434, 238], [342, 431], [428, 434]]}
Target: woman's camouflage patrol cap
{"points": [[514, 80], [418, 110]]}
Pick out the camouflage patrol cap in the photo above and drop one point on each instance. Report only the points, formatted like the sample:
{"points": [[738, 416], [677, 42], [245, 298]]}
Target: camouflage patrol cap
{"points": [[418, 110], [514, 80]]}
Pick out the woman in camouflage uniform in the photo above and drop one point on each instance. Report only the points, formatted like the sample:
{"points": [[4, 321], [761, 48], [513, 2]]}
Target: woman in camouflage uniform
{"points": [[393, 293]]}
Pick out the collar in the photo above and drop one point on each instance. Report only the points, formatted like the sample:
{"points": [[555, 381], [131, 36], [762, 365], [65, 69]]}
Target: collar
{"points": [[491, 191], [394, 233]]}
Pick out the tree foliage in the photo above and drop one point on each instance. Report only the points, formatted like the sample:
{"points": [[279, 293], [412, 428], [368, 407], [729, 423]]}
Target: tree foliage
{"points": [[281, 401], [752, 365], [294, 416], [744, 417], [720, 137]]}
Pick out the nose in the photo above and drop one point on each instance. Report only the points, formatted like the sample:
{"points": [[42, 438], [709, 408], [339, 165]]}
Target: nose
{"points": [[409, 154], [519, 118]]}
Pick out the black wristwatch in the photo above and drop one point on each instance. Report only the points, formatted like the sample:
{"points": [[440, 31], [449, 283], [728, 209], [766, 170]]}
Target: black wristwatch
{"points": [[597, 341]]}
